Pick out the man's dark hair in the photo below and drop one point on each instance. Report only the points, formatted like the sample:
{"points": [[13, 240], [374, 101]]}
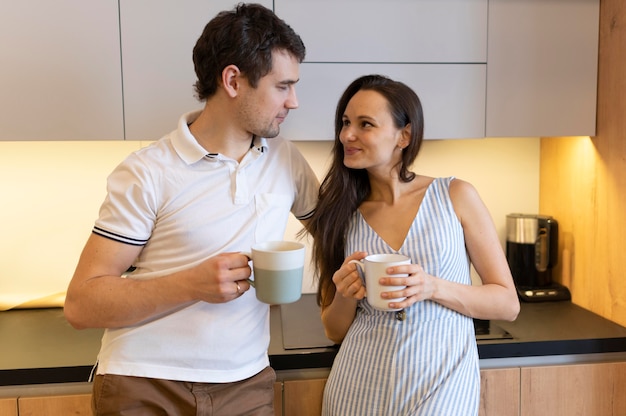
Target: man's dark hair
{"points": [[246, 37]]}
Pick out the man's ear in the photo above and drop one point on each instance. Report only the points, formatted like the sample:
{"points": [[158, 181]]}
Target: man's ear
{"points": [[231, 80]]}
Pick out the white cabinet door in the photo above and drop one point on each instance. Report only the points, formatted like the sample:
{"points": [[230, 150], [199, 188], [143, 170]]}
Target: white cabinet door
{"points": [[389, 31], [452, 96], [158, 37], [60, 70], [542, 67]]}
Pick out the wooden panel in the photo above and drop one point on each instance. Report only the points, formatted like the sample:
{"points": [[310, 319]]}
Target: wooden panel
{"points": [[619, 388], [582, 184], [75, 404], [8, 406], [303, 397], [585, 389], [278, 398], [499, 392]]}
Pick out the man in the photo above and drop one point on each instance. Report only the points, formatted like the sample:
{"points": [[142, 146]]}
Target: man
{"points": [[184, 332]]}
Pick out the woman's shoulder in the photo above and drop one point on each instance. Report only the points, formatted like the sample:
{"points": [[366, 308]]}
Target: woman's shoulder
{"points": [[465, 198], [458, 185]]}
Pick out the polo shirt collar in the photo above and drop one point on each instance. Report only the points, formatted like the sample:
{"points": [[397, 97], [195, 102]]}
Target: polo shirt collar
{"points": [[190, 150]]}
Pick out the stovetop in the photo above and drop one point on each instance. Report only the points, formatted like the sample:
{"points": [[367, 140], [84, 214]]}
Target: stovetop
{"points": [[486, 330]]}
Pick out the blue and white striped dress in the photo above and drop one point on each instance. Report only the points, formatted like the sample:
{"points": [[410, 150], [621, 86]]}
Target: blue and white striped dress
{"points": [[426, 364]]}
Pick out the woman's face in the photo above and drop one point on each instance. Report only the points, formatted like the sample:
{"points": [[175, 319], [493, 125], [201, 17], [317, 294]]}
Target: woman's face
{"points": [[370, 138]]}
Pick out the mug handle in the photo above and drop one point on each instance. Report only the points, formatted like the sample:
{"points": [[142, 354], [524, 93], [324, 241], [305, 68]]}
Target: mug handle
{"points": [[249, 256], [361, 265]]}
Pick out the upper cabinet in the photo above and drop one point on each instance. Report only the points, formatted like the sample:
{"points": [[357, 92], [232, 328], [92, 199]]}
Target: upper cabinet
{"points": [[538, 57], [158, 37], [60, 76], [438, 48], [542, 67], [415, 31], [123, 69], [452, 96]]}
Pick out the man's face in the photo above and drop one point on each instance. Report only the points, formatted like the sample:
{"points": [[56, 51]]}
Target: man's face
{"points": [[264, 108]]}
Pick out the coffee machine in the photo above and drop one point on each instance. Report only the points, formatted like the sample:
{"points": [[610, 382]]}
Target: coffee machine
{"points": [[532, 244]]}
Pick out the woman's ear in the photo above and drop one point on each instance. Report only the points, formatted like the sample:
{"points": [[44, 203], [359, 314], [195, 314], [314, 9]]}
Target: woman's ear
{"points": [[230, 80], [405, 137]]}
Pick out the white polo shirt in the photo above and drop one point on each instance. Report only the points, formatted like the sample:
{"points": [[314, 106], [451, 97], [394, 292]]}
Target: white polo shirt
{"points": [[184, 206]]}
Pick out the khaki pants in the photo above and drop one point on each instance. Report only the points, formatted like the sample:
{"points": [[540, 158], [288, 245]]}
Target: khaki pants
{"points": [[124, 395]]}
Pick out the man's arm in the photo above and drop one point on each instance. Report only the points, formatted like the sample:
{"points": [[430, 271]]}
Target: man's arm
{"points": [[99, 297]]}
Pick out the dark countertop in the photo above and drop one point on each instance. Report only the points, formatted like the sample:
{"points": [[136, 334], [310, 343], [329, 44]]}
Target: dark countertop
{"points": [[38, 346]]}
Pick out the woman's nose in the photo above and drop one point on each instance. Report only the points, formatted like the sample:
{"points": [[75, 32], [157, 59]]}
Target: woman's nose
{"points": [[346, 134]]}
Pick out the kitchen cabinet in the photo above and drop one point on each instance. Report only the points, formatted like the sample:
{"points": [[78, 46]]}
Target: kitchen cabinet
{"points": [[8, 406], [303, 397], [447, 92], [60, 70], [158, 69], [278, 398], [538, 58], [586, 389], [77, 70], [542, 68], [573, 389], [80, 404], [373, 31], [581, 389], [73, 404], [157, 61], [499, 392], [153, 57], [437, 48]]}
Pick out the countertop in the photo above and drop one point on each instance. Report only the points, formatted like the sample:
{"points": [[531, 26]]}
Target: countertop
{"points": [[38, 346]]}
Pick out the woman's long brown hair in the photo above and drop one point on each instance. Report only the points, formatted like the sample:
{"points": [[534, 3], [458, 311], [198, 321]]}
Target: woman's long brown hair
{"points": [[343, 189]]}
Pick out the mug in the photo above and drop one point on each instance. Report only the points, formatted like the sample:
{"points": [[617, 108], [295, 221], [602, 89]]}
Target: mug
{"points": [[278, 269], [374, 267]]}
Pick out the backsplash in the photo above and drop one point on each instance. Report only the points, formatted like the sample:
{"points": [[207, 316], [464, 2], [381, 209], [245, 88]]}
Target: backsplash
{"points": [[51, 192]]}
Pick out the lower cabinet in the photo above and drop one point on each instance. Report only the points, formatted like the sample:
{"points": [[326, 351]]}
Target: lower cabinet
{"points": [[278, 398], [581, 389], [574, 389], [72, 404], [8, 406], [303, 397], [499, 392]]}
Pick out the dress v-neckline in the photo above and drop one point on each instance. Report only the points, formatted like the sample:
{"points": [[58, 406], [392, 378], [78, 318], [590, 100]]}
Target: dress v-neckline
{"points": [[411, 225]]}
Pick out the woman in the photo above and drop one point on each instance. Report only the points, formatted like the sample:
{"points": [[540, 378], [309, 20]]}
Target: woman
{"points": [[422, 360]]}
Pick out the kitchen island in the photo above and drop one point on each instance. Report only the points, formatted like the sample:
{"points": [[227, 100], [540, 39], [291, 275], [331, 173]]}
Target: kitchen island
{"points": [[543, 333], [41, 354]]}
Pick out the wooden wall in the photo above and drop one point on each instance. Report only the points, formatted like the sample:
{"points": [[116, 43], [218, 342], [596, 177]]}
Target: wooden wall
{"points": [[583, 184]]}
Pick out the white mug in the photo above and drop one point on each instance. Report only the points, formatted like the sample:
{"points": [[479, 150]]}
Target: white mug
{"points": [[278, 269], [374, 267]]}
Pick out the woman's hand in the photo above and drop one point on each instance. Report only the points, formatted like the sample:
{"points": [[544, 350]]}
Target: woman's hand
{"points": [[347, 279], [339, 314], [419, 285]]}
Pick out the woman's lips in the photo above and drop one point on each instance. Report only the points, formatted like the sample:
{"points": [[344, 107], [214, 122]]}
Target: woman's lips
{"points": [[349, 151]]}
